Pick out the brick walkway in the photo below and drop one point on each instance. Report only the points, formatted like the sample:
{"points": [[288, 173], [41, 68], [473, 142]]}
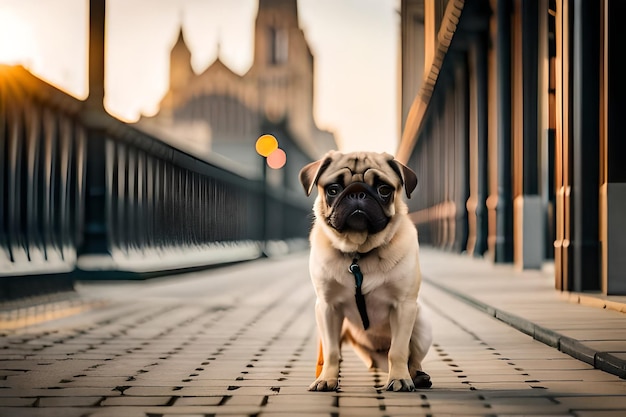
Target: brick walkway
{"points": [[241, 341]]}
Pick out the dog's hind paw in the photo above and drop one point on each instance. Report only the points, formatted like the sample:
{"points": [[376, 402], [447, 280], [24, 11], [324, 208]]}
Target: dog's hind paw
{"points": [[422, 380], [400, 385], [324, 385]]}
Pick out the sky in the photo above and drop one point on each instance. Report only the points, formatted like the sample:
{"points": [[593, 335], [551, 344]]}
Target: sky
{"points": [[354, 43]]}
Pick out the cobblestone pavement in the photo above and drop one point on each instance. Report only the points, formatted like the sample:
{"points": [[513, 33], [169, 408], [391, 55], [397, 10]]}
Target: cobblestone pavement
{"points": [[241, 341]]}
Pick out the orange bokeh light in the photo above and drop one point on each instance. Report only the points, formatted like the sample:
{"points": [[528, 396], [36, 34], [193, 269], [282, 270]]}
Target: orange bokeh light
{"points": [[266, 144], [277, 159]]}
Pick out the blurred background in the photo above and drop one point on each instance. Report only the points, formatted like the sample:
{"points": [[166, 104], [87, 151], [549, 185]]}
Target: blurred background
{"points": [[128, 130], [351, 43]]}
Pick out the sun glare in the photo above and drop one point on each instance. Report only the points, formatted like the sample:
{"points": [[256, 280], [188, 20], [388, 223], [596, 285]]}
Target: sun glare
{"points": [[17, 43]]}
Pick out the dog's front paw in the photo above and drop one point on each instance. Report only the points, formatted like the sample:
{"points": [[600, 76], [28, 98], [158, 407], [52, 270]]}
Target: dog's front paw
{"points": [[321, 384], [400, 385], [422, 380]]}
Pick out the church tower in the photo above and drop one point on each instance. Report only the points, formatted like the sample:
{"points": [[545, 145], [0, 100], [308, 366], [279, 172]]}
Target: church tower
{"points": [[275, 23], [283, 66], [225, 112]]}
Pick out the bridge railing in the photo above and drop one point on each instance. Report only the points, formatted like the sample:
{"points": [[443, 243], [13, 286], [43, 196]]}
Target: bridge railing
{"points": [[84, 193]]}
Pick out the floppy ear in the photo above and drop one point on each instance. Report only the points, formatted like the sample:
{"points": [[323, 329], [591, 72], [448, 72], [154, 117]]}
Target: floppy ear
{"points": [[406, 174], [311, 173]]}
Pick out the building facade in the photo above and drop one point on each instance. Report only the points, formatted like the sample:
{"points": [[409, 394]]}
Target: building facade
{"points": [[222, 112], [510, 115]]}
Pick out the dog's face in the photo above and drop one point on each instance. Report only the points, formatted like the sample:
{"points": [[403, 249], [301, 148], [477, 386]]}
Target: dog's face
{"points": [[358, 193]]}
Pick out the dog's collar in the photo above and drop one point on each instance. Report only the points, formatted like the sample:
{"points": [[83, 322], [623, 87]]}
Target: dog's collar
{"points": [[358, 282]]}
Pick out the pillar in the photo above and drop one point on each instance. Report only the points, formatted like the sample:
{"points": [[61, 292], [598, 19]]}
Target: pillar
{"points": [[613, 169], [585, 141]]}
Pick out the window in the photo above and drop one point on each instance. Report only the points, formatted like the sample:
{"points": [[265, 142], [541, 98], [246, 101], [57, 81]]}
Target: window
{"points": [[278, 46]]}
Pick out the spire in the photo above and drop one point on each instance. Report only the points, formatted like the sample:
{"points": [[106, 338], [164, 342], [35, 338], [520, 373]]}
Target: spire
{"points": [[180, 63], [180, 51], [219, 45], [180, 42], [181, 37]]}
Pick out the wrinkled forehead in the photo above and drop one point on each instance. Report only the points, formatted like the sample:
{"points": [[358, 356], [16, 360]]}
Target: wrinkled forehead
{"points": [[364, 167]]}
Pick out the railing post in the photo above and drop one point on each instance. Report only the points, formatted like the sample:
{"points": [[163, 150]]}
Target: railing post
{"points": [[95, 226], [95, 240]]}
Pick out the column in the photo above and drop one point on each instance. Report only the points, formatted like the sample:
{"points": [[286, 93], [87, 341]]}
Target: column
{"points": [[585, 141], [562, 151], [613, 168], [528, 216], [504, 203]]}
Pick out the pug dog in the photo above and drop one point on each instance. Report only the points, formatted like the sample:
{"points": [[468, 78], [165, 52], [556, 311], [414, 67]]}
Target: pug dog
{"points": [[364, 265]]}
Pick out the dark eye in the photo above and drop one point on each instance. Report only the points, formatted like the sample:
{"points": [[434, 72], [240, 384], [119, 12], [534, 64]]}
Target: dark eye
{"points": [[333, 190], [384, 191]]}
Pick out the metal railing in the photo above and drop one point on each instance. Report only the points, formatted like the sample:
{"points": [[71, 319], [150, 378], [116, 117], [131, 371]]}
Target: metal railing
{"points": [[84, 192]]}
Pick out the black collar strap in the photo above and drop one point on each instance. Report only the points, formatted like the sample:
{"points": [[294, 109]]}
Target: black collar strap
{"points": [[360, 299]]}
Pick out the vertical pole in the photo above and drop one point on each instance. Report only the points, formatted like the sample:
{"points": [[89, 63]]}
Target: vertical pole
{"points": [[473, 155], [504, 207], [461, 154], [96, 52], [562, 247], [529, 228], [95, 230], [585, 193], [614, 169], [530, 69], [265, 209], [480, 62]]}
